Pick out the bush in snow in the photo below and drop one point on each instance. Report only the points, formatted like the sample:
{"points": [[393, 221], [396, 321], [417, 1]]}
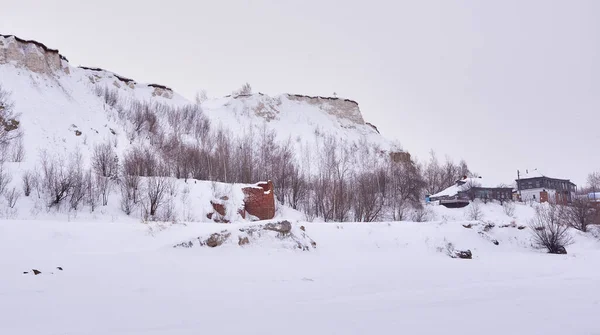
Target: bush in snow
{"points": [[580, 214], [474, 211], [547, 230], [12, 196], [244, 90], [509, 208]]}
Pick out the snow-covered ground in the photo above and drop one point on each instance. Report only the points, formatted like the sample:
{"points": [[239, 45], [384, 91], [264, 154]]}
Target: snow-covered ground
{"points": [[380, 278]]}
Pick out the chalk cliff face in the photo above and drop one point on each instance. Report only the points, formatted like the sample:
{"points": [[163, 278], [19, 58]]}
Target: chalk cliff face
{"points": [[341, 108], [32, 55]]}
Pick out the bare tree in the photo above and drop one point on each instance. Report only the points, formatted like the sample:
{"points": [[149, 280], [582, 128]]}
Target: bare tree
{"points": [[405, 188], [17, 150], [422, 214], [12, 196], [246, 89], [56, 179], [105, 161], [509, 208], [157, 189], [474, 212], [369, 199], [29, 182], [5, 178], [77, 190], [109, 96], [91, 190], [593, 180], [580, 213], [547, 230], [104, 187]]}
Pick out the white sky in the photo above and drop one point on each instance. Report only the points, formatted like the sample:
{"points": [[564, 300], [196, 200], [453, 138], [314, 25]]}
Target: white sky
{"points": [[503, 84]]}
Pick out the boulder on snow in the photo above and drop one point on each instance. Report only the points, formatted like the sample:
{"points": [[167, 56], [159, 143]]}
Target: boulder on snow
{"points": [[282, 227], [216, 239], [36, 272], [466, 254]]}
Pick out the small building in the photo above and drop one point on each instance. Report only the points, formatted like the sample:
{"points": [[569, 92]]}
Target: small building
{"points": [[534, 186], [468, 189]]}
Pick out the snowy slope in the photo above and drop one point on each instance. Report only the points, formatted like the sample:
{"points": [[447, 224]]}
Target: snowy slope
{"points": [[55, 103]]}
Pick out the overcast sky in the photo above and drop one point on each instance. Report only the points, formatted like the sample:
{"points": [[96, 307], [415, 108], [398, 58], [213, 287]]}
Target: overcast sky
{"points": [[505, 85]]}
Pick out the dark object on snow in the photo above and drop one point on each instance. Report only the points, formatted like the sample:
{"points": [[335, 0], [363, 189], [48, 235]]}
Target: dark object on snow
{"points": [[25, 272], [463, 254], [217, 239], [560, 251], [468, 226], [243, 240], [36, 272], [302, 228], [59, 268]]}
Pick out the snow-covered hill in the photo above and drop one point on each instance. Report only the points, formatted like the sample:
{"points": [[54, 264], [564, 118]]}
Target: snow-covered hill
{"points": [[61, 108]]}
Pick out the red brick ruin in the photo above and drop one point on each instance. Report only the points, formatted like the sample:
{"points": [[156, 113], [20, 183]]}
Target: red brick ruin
{"points": [[259, 201]]}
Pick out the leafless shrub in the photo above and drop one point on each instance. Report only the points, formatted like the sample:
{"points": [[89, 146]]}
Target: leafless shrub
{"points": [[77, 190], [200, 97], [474, 212], [5, 178], [108, 95], [17, 150], [580, 214], [168, 212], [104, 187], [105, 161], [29, 181], [141, 161], [57, 178], [156, 191], [404, 188], [547, 230], [244, 90], [369, 199], [422, 214], [12, 196], [91, 190], [509, 208]]}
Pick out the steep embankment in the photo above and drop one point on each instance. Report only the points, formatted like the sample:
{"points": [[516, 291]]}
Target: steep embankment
{"points": [[62, 106]]}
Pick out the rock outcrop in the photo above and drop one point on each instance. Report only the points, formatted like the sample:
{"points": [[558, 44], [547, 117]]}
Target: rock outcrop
{"points": [[280, 234], [31, 55], [259, 200], [343, 109]]}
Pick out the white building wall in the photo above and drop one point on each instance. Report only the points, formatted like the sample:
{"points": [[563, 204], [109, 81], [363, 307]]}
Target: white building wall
{"points": [[533, 194]]}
